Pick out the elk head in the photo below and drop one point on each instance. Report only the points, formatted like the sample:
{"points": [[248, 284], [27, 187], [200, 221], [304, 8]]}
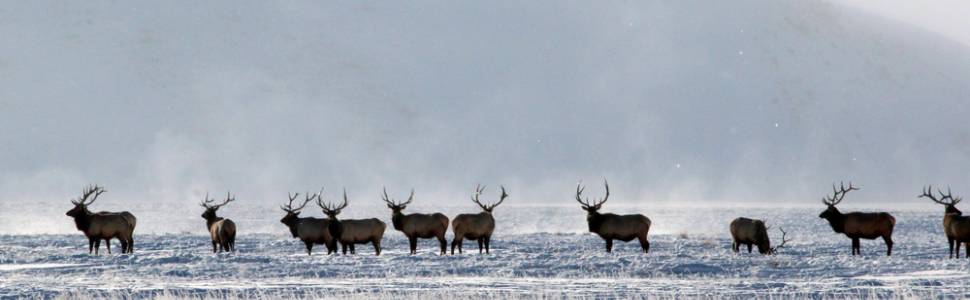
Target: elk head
{"points": [[592, 208], [81, 204], [293, 214], [488, 208], [211, 207], [947, 200], [332, 210], [837, 195], [395, 206]]}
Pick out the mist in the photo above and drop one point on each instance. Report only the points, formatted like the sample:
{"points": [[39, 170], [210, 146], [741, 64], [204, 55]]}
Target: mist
{"points": [[674, 102]]}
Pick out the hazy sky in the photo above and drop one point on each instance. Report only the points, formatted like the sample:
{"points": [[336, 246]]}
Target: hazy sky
{"points": [[673, 101]]}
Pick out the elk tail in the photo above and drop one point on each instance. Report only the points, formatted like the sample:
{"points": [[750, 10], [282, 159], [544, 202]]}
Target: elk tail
{"points": [[130, 219]]}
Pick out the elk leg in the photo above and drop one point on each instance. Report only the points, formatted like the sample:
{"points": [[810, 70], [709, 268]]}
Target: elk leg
{"points": [[377, 247], [481, 244], [455, 242], [90, 246], [129, 245], [749, 247], [353, 249], [413, 242], [444, 244], [107, 243], [488, 240], [889, 245], [736, 247], [645, 244], [965, 247], [609, 245], [97, 246], [343, 247], [856, 249], [309, 247]]}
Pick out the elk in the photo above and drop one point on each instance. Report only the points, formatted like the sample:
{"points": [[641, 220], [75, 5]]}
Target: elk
{"points": [[222, 231], [312, 231], [856, 225], [955, 225], [351, 232], [750, 232], [476, 226], [612, 226], [102, 225], [416, 226]]}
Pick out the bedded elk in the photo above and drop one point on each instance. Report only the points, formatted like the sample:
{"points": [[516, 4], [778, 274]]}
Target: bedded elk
{"points": [[476, 226], [416, 226], [351, 232], [611, 226], [312, 231], [955, 225], [856, 225], [750, 232], [221, 230], [102, 225]]}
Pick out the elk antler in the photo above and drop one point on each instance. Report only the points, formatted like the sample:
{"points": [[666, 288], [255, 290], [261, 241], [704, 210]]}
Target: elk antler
{"points": [[87, 192], [393, 203], [784, 241], [289, 206], [478, 191], [928, 193], [327, 209], [838, 194], [208, 203], [579, 192]]}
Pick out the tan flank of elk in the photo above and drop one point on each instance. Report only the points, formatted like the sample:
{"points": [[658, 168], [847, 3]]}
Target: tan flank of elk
{"points": [[858, 225], [102, 225], [415, 226], [955, 225], [312, 231], [477, 227], [750, 232], [351, 232], [222, 231], [612, 226]]}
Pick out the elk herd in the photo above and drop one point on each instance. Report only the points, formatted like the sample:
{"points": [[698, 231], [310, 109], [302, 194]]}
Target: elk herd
{"points": [[333, 231]]}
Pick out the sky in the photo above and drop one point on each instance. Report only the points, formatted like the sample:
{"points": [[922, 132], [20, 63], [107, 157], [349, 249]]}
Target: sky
{"points": [[674, 102]]}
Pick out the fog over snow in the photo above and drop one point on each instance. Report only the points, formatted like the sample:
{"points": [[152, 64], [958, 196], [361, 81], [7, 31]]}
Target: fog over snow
{"points": [[675, 102]]}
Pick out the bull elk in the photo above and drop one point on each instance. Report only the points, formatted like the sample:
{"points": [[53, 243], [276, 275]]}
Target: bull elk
{"points": [[750, 232], [312, 231], [611, 226], [221, 230], [955, 225], [416, 226], [351, 232], [102, 225], [476, 226], [856, 225]]}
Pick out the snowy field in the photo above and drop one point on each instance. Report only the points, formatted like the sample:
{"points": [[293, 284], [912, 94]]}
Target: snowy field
{"points": [[690, 256]]}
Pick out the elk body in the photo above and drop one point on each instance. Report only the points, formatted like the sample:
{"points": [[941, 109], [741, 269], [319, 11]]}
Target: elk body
{"points": [[750, 232], [955, 225], [102, 225], [858, 225], [612, 226], [351, 232], [221, 230], [312, 231], [476, 227], [415, 226]]}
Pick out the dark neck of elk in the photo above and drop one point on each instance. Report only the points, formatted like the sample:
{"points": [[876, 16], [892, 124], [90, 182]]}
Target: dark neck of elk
{"points": [[835, 217], [82, 218]]}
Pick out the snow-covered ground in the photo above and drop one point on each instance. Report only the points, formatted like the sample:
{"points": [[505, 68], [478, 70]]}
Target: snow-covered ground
{"points": [[690, 255]]}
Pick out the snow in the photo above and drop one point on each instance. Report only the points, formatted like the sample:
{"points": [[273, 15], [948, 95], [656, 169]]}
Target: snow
{"points": [[559, 263]]}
